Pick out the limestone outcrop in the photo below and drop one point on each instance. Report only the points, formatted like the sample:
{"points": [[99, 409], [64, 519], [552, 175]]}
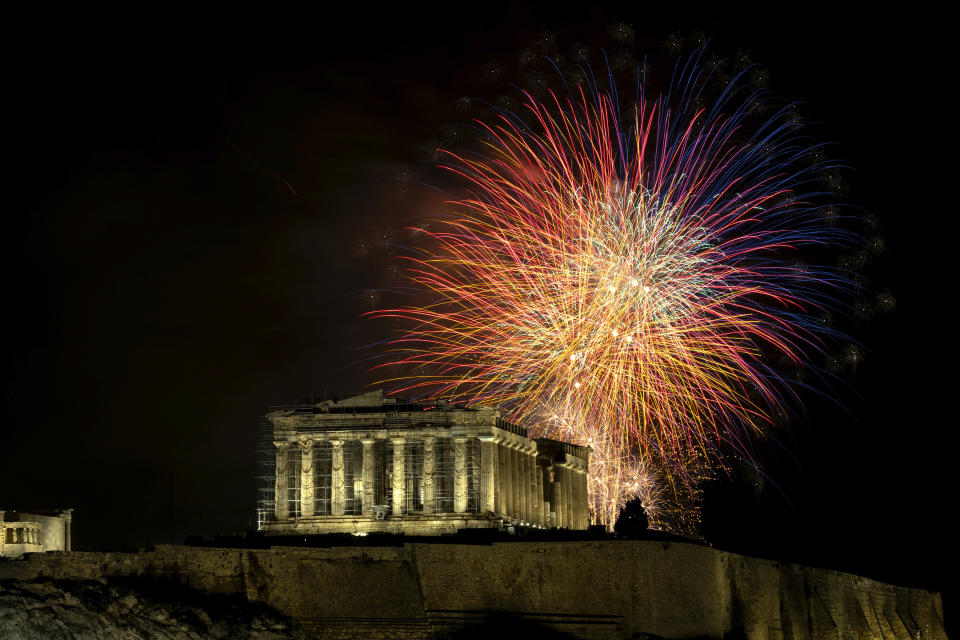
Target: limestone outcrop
{"points": [[130, 609]]}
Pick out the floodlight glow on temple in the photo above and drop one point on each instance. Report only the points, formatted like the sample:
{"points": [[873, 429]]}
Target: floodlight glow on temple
{"points": [[369, 463]]}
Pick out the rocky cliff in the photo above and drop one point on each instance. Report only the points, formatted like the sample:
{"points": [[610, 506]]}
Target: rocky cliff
{"points": [[583, 589], [130, 609]]}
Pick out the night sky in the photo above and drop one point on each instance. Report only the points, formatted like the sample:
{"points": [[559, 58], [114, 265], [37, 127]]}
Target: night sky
{"points": [[190, 200]]}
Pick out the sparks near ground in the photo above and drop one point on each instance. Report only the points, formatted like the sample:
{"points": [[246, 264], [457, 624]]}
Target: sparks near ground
{"points": [[628, 278]]}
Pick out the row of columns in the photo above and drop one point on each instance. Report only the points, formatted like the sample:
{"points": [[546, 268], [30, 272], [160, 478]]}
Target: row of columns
{"points": [[398, 490], [307, 488], [429, 474], [510, 484], [568, 496], [22, 534]]}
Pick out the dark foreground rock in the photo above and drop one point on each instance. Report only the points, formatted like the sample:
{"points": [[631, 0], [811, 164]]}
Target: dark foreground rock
{"points": [[130, 609]]}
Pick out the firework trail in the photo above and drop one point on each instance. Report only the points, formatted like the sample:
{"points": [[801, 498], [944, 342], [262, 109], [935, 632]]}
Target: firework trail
{"points": [[613, 478], [634, 270], [617, 476]]}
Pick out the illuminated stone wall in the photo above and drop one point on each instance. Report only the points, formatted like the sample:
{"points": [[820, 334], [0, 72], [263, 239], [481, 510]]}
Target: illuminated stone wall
{"points": [[589, 589]]}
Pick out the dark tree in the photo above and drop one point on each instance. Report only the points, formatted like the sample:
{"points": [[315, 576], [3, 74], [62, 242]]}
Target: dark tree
{"points": [[632, 522]]}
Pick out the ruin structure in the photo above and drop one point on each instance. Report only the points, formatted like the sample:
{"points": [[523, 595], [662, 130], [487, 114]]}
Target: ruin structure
{"points": [[22, 533], [374, 464]]}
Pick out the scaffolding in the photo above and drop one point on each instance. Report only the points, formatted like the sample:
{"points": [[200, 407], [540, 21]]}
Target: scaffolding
{"points": [[322, 478], [266, 472], [443, 475], [352, 478], [383, 475], [292, 481], [413, 476], [473, 475]]}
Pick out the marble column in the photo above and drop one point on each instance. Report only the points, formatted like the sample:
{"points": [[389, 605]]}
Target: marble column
{"points": [[488, 492], [530, 482], [556, 495], [398, 476], [337, 493], [585, 492], [523, 485], [367, 477], [543, 516], [459, 475], [429, 469], [562, 514], [502, 495], [575, 497], [535, 498], [507, 483], [513, 479], [568, 511], [580, 502], [306, 478], [516, 478], [533, 501], [280, 485]]}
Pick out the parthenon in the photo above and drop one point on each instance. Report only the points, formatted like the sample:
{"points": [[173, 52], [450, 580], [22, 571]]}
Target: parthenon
{"points": [[369, 463]]}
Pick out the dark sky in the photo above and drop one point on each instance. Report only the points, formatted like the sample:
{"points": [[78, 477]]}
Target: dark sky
{"points": [[162, 288]]}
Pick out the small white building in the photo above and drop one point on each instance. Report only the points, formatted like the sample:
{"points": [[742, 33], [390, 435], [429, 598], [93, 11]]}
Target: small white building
{"points": [[22, 532]]}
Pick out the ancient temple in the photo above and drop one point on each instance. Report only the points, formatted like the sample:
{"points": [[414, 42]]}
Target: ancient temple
{"points": [[22, 533], [374, 464]]}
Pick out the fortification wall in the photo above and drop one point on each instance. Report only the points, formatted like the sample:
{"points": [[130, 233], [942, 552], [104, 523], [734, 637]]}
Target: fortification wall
{"points": [[590, 589]]}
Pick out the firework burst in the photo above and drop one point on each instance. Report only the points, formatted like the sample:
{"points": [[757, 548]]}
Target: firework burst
{"points": [[614, 476], [634, 270]]}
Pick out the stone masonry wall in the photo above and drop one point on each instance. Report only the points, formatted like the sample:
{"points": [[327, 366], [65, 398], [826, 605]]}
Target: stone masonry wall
{"points": [[589, 589]]}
